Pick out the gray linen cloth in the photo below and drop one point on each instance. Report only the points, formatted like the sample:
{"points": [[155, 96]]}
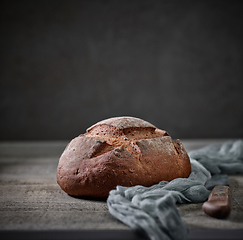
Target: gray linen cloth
{"points": [[152, 211]]}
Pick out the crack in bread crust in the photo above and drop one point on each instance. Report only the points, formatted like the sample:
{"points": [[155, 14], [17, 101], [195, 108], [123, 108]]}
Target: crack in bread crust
{"points": [[103, 148], [126, 138]]}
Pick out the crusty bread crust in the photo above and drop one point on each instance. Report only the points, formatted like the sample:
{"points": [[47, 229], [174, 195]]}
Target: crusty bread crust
{"points": [[122, 151]]}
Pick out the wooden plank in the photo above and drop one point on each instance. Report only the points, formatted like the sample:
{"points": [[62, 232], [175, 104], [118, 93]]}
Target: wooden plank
{"points": [[30, 198], [195, 234]]}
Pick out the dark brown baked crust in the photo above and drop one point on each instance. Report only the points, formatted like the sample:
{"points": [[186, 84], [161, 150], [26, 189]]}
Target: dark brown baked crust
{"points": [[122, 151]]}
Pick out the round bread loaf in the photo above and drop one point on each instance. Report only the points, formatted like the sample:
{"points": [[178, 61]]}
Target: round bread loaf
{"points": [[124, 151]]}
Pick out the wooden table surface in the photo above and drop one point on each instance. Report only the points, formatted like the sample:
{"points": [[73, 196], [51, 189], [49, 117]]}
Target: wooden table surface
{"points": [[31, 200]]}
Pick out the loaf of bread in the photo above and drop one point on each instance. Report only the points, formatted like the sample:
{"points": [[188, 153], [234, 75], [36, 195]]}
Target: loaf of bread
{"points": [[124, 151]]}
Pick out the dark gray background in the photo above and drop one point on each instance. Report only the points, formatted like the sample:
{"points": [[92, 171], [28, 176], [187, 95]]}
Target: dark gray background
{"points": [[67, 64]]}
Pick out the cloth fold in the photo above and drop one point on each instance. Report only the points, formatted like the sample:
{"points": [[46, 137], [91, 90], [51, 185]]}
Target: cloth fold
{"points": [[224, 158], [153, 211]]}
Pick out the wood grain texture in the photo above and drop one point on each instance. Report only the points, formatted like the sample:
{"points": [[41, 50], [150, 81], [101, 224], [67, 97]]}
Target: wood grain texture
{"points": [[30, 198]]}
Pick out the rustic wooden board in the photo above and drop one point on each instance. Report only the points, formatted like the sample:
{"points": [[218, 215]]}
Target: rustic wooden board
{"points": [[30, 198]]}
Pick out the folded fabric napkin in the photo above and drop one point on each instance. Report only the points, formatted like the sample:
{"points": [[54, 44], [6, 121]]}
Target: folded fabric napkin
{"points": [[153, 211]]}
